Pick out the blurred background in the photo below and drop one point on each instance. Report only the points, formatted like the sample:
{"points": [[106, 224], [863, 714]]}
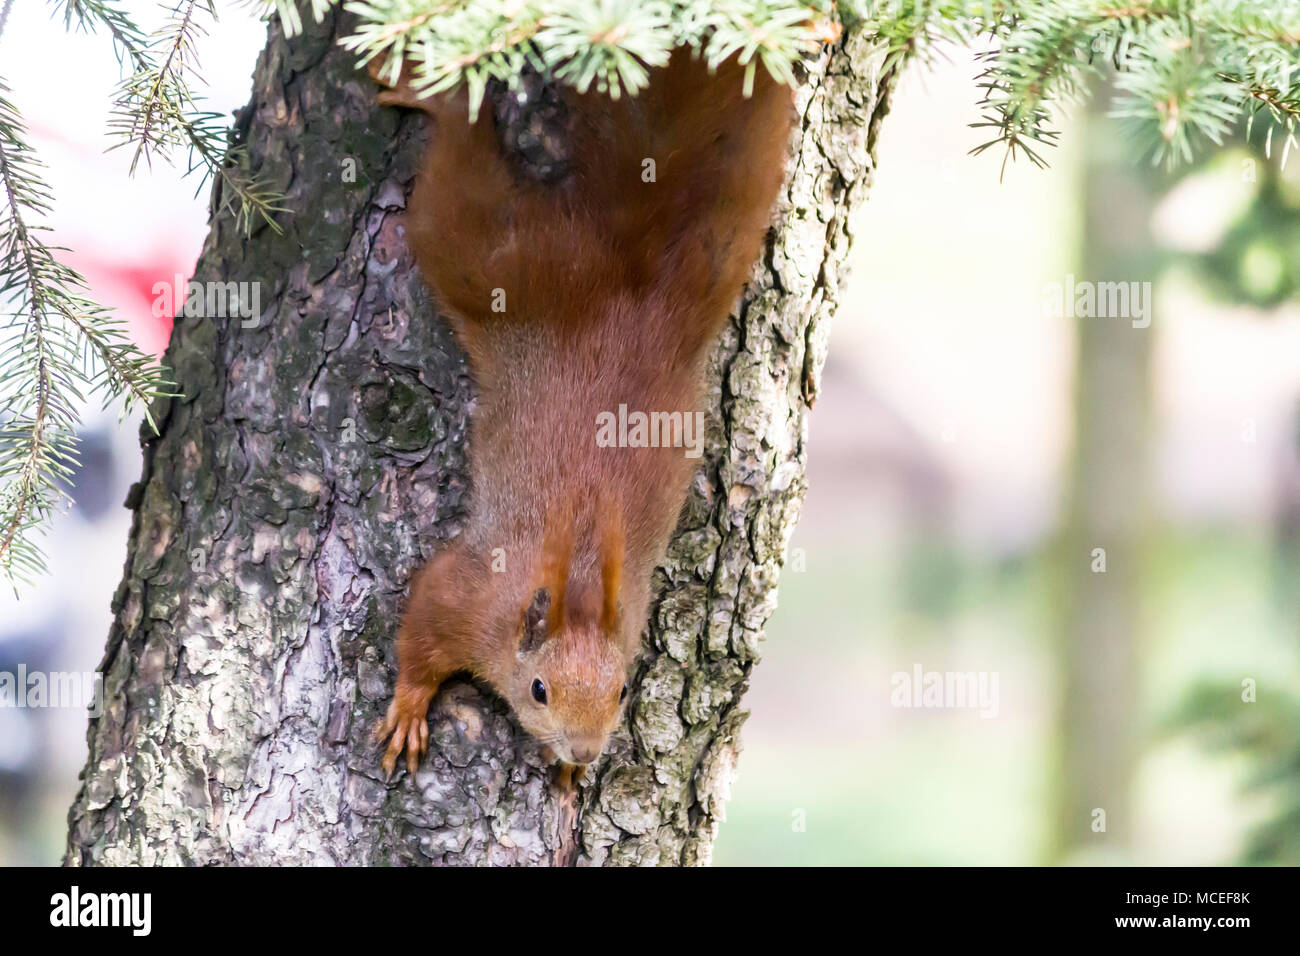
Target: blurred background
{"points": [[1099, 520]]}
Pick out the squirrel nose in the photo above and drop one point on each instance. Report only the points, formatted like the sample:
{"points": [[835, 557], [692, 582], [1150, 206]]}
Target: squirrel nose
{"points": [[585, 752]]}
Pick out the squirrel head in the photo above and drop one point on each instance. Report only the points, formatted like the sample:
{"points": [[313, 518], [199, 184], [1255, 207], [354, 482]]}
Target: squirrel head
{"points": [[569, 678], [568, 682]]}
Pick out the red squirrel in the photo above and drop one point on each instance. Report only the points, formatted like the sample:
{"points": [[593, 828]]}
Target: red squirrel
{"points": [[573, 298]]}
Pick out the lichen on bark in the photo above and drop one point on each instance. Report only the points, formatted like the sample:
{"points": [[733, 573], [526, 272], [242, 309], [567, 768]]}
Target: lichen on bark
{"points": [[317, 457]]}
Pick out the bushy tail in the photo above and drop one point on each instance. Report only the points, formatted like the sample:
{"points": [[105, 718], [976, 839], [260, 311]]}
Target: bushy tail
{"points": [[668, 196], [684, 177]]}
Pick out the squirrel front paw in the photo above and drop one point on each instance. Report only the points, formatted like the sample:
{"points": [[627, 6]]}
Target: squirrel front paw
{"points": [[405, 727]]}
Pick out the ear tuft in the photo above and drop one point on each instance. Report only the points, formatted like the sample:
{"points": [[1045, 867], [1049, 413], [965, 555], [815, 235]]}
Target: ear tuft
{"points": [[611, 572], [535, 620]]}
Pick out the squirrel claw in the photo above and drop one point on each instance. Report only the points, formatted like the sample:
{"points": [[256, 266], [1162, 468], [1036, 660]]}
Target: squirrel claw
{"points": [[406, 727]]}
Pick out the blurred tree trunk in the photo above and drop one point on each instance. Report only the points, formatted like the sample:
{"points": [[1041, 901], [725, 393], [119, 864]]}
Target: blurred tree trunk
{"points": [[1106, 508], [1286, 528], [316, 459]]}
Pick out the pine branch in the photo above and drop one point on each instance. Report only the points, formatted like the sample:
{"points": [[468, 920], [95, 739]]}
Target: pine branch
{"points": [[154, 101], [287, 11], [156, 111], [1186, 71], [58, 347], [608, 45]]}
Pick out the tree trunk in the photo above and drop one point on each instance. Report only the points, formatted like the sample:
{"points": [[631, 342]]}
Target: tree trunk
{"points": [[318, 458], [1104, 548]]}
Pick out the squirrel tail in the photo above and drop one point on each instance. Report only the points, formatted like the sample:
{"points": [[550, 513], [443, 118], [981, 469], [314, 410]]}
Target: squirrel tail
{"points": [[668, 196], [683, 177]]}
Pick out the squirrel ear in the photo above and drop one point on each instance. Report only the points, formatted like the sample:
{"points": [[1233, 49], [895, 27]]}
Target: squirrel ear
{"points": [[535, 620], [611, 573]]}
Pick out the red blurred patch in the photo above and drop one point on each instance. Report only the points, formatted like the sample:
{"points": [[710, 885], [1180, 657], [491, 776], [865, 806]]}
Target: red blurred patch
{"points": [[137, 290]]}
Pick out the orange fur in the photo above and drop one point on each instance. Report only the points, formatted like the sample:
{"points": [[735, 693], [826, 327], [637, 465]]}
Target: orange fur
{"points": [[613, 287]]}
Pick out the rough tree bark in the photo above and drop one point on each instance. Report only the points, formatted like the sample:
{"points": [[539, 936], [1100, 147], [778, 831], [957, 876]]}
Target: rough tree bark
{"points": [[317, 458]]}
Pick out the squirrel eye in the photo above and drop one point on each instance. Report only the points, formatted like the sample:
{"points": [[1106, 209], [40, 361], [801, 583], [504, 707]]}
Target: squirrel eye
{"points": [[623, 695], [539, 691]]}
